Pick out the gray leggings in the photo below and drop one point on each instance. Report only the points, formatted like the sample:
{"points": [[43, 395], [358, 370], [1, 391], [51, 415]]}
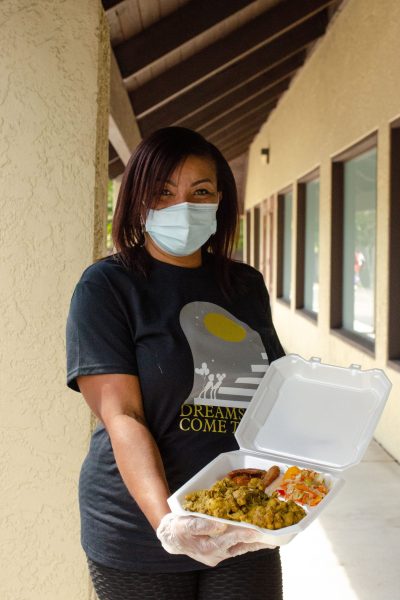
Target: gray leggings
{"points": [[257, 577]]}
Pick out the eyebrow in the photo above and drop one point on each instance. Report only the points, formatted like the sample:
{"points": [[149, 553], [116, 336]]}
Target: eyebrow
{"points": [[194, 182]]}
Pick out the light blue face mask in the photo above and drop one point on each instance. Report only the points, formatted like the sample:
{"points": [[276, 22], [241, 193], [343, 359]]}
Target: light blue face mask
{"points": [[182, 228]]}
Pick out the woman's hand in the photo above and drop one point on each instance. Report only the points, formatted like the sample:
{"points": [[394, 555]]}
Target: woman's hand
{"points": [[206, 541]]}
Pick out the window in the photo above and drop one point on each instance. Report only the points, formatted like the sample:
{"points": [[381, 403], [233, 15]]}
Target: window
{"points": [[256, 237], [359, 244], [311, 276], [267, 242], [307, 255], [263, 243], [248, 236], [284, 288], [238, 253], [394, 244], [354, 221]]}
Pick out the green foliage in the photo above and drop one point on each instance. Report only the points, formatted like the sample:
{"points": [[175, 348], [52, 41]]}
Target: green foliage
{"points": [[365, 222], [110, 196], [239, 246]]}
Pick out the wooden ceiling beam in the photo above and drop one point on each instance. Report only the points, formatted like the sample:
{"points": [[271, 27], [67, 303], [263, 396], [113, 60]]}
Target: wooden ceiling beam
{"points": [[230, 156], [115, 168], [237, 110], [245, 125], [172, 31], [244, 142], [240, 139], [112, 155], [250, 129], [276, 21], [266, 99], [223, 126], [243, 136], [239, 147], [107, 4], [123, 130], [222, 83], [246, 120], [268, 79], [236, 153]]}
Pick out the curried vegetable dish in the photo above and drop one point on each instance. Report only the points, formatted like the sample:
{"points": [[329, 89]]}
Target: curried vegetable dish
{"points": [[240, 496]]}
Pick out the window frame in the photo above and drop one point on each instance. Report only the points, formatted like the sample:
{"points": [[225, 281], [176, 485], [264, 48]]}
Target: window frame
{"points": [[263, 238], [280, 243], [256, 236], [247, 246], [337, 233], [301, 242], [393, 341]]}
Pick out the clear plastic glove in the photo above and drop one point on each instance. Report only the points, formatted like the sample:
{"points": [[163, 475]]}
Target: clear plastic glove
{"points": [[206, 541]]}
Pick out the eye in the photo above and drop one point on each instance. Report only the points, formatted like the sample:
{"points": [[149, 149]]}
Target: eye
{"points": [[203, 192], [165, 192]]}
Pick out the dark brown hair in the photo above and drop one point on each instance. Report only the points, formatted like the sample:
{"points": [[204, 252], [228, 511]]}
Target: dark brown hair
{"points": [[150, 165]]}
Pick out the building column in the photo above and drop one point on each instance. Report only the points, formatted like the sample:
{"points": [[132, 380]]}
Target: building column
{"points": [[54, 99]]}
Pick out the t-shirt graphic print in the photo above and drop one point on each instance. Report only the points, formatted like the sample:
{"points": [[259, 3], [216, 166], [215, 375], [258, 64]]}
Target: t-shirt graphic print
{"points": [[229, 362]]}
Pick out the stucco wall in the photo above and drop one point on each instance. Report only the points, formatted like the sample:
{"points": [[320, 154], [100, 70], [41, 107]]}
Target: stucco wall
{"points": [[54, 64], [349, 87]]}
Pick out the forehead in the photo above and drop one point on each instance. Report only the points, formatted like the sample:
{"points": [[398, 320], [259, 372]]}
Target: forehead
{"points": [[195, 167]]}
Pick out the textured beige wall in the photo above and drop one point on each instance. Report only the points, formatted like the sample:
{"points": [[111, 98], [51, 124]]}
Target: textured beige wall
{"points": [[349, 88], [54, 90]]}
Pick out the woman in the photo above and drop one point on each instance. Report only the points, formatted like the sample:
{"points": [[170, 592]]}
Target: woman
{"points": [[158, 335]]}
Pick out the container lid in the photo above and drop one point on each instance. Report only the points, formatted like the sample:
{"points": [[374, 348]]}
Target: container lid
{"points": [[315, 413]]}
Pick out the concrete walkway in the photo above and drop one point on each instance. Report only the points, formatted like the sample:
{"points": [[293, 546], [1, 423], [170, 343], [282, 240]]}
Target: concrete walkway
{"points": [[352, 552]]}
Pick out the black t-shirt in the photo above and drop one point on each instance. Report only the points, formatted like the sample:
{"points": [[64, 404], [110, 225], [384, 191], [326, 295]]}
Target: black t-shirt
{"points": [[199, 358]]}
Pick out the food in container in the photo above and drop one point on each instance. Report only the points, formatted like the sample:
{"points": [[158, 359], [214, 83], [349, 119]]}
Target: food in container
{"points": [[242, 497], [303, 486], [316, 417]]}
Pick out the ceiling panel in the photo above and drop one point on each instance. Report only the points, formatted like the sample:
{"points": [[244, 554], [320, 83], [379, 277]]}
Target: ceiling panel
{"points": [[220, 72]]}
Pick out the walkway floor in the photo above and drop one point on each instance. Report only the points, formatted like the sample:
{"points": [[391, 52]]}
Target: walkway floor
{"points": [[352, 552]]}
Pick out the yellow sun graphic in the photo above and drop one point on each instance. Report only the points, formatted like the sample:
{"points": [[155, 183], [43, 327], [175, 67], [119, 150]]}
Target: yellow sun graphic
{"points": [[224, 328]]}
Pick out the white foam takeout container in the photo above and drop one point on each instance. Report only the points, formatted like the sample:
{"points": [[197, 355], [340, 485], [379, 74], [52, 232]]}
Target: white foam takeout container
{"points": [[304, 413]]}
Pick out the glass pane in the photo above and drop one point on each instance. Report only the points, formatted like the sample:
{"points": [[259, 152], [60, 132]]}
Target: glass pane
{"points": [[287, 245], [312, 247], [359, 244]]}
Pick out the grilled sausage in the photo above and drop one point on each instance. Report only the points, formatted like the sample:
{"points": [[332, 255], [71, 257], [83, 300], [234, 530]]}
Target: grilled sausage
{"points": [[245, 473], [243, 476], [270, 475]]}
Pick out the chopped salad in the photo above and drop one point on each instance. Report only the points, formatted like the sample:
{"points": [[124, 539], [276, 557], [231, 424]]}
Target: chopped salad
{"points": [[304, 486]]}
